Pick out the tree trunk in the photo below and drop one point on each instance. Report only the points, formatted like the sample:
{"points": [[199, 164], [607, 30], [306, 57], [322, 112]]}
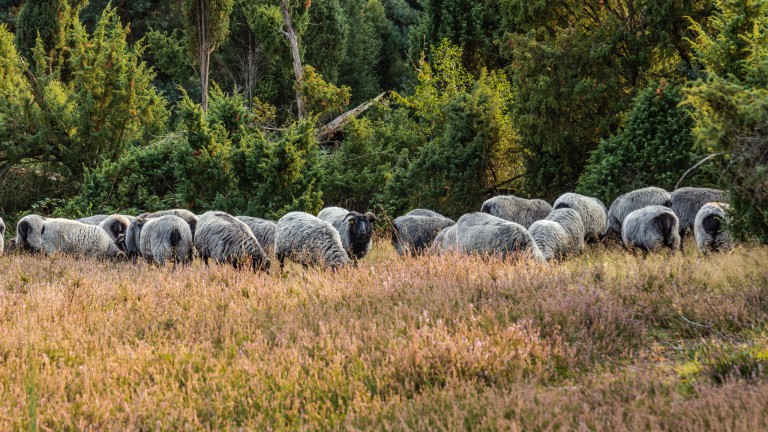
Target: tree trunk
{"points": [[290, 34], [205, 55]]}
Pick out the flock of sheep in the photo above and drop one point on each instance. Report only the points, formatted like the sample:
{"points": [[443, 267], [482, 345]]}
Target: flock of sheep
{"points": [[648, 219]]}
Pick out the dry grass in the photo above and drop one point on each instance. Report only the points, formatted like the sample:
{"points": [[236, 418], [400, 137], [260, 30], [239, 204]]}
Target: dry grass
{"points": [[605, 341]]}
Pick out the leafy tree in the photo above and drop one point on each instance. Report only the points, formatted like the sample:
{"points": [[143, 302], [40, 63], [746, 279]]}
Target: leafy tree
{"points": [[47, 20]]}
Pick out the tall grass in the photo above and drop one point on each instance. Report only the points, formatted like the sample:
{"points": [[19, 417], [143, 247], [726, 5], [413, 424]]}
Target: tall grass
{"points": [[605, 341]]}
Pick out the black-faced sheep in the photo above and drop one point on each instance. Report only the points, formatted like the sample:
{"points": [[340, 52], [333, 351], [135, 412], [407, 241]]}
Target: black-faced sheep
{"points": [[592, 211], [354, 228], [415, 232], [687, 201], [631, 201], [308, 240], [76, 238], [708, 229], [116, 226], [29, 233], [551, 239], [486, 234], [224, 238], [264, 230], [571, 222], [515, 209], [651, 228], [165, 238]]}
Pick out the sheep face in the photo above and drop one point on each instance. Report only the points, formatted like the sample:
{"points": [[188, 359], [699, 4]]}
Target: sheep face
{"points": [[360, 227]]}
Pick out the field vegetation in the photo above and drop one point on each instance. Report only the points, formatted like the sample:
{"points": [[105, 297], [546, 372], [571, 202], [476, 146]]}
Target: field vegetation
{"points": [[606, 341]]}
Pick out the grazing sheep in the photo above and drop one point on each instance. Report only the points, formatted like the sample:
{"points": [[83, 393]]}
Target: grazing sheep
{"points": [[308, 240], [592, 211], [225, 238], [133, 232], [76, 238], [354, 228], [415, 232], [29, 233], [487, 234], [552, 239], [650, 228], [687, 201], [708, 228], [116, 226], [165, 237], [93, 220], [571, 222], [518, 210], [264, 230], [445, 240], [631, 201]]}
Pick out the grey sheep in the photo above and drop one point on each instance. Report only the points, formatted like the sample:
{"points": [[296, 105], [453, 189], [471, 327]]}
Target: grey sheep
{"points": [[415, 232], [651, 228], [132, 235], [226, 239], [264, 230], [515, 209], [708, 228], [308, 240], [76, 238], [116, 226], [445, 241], [687, 201], [634, 200], [165, 238], [487, 234], [551, 239], [29, 233], [355, 229], [571, 222], [592, 211], [93, 220]]}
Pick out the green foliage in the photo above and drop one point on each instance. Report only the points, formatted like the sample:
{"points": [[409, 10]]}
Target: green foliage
{"points": [[322, 98], [46, 19], [654, 148]]}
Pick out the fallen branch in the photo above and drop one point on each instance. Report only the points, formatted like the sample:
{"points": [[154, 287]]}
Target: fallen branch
{"points": [[336, 124]]}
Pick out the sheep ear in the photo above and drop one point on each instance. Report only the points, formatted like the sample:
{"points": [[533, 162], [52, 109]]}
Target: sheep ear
{"points": [[371, 217]]}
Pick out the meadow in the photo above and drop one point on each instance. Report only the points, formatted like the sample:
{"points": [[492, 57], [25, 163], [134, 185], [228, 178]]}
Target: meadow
{"points": [[605, 341]]}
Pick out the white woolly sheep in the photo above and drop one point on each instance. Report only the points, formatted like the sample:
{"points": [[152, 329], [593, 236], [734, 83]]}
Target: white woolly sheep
{"points": [[133, 232], [592, 211], [355, 229], [515, 209], [308, 240], [165, 238], [76, 238], [224, 238], [445, 241], [651, 228], [29, 233], [551, 239], [708, 228], [264, 230], [634, 200], [415, 232], [93, 220], [486, 234], [571, 222], [687, 201]]}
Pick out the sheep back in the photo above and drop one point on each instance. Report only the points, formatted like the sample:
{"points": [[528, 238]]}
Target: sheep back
{"points": [[515, 209], [263, 230], [416, 231], [634, 200], [571, 222], [486, 234], [650, 228], [687, 201], [166, 237], [76, 238], [93, 220], [308, 240], [226, 239], [551, 238], [445, 240], [708, 229], [592, 211]]}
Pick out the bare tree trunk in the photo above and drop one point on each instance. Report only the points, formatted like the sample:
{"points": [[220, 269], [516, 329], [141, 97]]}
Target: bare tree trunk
{"points": [[205, 55], [290, 34]]}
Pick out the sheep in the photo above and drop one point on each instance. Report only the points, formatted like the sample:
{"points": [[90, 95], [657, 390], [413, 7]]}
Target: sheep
{"points": [[225, 238], [116, 226], [592, 211], [552, 239], [165, 237], [571, 222], [651, 228], [415, 231], [687, 201], [2, 236], [309, 240], [93, 220], [76, 238], [264, 230], [445, 240], [634, 200], [355, 229], [133, 232], [29, 235], [482, 233], [518, 210], [708, 228]]}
